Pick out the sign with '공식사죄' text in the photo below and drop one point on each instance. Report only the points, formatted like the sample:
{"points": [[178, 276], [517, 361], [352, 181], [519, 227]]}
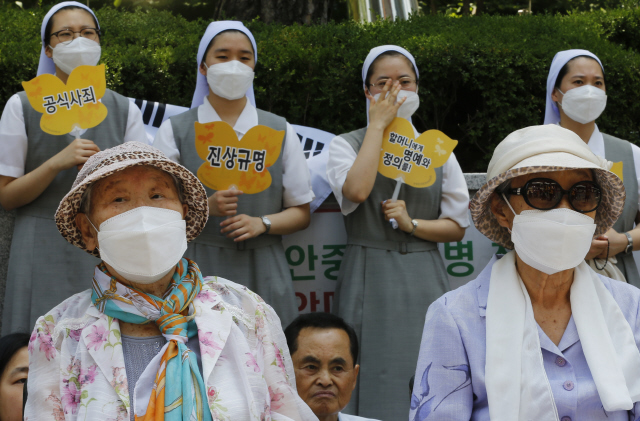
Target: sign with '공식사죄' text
{"points": [[74, 105]]}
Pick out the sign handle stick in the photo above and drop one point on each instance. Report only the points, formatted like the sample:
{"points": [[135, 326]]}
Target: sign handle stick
{"points": [[396, 192]]}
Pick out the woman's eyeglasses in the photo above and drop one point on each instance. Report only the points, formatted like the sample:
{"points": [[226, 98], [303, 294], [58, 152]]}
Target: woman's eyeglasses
{"points": [[66, 35], [545, 194], [405, 83]]}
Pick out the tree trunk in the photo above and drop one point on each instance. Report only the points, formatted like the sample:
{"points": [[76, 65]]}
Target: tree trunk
{"points": [[479, 5], [281, 11], [465, 7], [434, 7]]}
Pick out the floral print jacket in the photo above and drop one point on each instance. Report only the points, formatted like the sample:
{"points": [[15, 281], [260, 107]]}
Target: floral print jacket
{"points": [[76, 367]]}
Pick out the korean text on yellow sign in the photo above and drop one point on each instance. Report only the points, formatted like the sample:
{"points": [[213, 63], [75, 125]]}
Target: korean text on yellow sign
{"points": [[232, 163], [75, 104], [413, 160]]}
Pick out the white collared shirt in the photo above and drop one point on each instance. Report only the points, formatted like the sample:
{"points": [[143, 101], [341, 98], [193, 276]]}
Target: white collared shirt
{"points": [[596, 144], [296, 181], [14, 142], [454, 202]]}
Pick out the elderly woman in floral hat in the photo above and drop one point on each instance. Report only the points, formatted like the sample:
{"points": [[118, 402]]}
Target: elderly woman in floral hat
{"points": [[152, 339], [538, 335]]}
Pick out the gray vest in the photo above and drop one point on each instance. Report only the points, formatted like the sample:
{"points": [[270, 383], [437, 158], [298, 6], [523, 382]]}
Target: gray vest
{"points": [[264, 203], [617, 150], [43, 146], [366, 225]]}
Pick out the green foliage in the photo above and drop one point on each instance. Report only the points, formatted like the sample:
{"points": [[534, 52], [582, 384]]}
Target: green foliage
{"points": [[480, 77]]}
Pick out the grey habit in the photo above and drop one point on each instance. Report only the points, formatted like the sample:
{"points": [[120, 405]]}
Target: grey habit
{"points": [[386, 283], [44, 269], [258, 263], [617, 150]]}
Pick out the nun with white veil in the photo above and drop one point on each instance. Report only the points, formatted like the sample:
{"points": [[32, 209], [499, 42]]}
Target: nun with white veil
{"points": [[37, 169], [388, 277], [576, 97], [243, 237]]}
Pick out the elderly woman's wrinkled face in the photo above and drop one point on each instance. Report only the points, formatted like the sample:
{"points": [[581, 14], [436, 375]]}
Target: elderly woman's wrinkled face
{"points": [[566, 179], [125, 190]]}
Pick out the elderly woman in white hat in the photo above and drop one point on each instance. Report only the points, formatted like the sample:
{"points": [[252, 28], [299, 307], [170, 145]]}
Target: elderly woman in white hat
{"points": [[538, 335], [152, 338]]}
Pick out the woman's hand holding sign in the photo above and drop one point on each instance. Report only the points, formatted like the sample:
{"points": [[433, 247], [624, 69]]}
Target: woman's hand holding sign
{"points": [[224, 202], [397, 210], [76, 154]]}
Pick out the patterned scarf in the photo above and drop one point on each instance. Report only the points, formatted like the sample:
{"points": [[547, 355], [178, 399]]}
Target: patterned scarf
{"points": [[171, 383]]}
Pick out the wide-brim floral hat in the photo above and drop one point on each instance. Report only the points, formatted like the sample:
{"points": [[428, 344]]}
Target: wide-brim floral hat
{"points": [[112, 160], [539, 149]]}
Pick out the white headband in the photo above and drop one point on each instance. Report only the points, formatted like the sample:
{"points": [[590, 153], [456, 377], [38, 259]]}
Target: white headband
{"points": [[551, 113], [214, 28], [373, 55], [46, 64]]}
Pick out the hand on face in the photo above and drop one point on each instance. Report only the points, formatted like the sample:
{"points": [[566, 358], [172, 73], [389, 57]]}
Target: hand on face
{"points": [[383, 111], [325, 372]]}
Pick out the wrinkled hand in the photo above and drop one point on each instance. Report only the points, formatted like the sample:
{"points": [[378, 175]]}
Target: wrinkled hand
{"points": [[598, 248], [383, 111], [398, 211], [242, 227], [76, 154], [224, 202]]}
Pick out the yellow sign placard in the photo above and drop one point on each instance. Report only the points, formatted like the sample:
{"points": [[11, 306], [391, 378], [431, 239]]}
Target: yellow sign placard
{"points": [[413, 160], [232, 163], [616, 168], [74, 105]]}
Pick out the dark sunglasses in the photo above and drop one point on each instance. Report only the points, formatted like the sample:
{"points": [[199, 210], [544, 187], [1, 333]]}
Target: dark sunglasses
{"points": [[545, 194]]}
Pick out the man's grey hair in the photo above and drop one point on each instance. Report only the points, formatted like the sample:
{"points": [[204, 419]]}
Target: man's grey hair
{"points": [[85, 202]]}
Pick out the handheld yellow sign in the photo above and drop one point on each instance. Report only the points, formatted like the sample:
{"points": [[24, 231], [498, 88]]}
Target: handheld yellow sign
{"points": [[616, 168], [74, 105], [230, 162], [413, 161]]}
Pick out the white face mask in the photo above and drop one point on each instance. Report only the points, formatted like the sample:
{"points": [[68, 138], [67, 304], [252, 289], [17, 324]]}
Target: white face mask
{"points": [[553, 240], [143, 244], [583, 104], [79, 52], [409, 106], [230, 80]]}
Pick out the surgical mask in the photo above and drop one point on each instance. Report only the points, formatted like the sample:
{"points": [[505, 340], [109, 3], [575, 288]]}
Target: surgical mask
{"points": [[409, 106], [143, 244], [79, 52], [553, 240], [583, 104], [230, 80]]}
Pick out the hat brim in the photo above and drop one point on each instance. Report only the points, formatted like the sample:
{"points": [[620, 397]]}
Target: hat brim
{"points": [[607, 214], [194, 195]]}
